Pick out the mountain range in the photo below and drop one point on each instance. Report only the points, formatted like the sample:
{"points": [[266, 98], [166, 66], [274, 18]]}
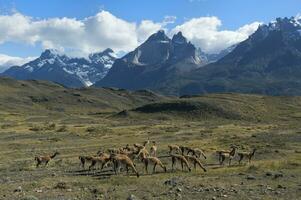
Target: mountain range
{"points": [[268, 62], [153, 62], [68, 71]]}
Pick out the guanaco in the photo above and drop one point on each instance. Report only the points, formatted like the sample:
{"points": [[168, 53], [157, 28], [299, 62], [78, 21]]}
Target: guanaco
{"points": [[219, 152], [230, 155], [130, 148], [175, 148], [153, 149], [114, 150], [139, 146], [84, 159], [181, 159], [184, 148], [123, 159], [248, 155], [103, 159], [45, 159], [197, 152], [155, 161], [195, 161], [142, 153]]}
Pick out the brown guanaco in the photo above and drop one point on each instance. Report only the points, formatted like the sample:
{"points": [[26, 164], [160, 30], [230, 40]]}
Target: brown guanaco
{"points": [[181, 159], [248, 155], [153, 149], [123, 159], [142, 153], [224, 155], [141, 146], [102, 158], [154, 160], [45, 159], [195, 162], [184, 148], [175, 148], [197, 152], [84, 159]]}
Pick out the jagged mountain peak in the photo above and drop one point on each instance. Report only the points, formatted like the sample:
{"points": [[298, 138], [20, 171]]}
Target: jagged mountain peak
{"points": [[50, 53], [179, 38], [159, 36]]}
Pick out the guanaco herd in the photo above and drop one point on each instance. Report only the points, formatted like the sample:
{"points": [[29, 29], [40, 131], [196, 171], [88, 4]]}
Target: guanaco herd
{"points": [[124, 157]]}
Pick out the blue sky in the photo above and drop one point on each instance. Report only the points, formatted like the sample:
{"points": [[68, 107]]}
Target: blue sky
{"points": [[223, 16]]}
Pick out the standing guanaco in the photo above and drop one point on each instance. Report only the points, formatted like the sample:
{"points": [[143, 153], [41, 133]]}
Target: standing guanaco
{"points": [[224, 155], [248, 155], [103, 159], [197, 152], [184, 148], [175, 148], [153, 149], [45, 159], [142, 154], [154, 160], [181, 159], [123, 159], [195, 161], [139, 146], [84, 159]]}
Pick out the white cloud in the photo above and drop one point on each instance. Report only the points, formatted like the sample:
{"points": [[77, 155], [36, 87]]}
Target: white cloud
{"points": [[79, 36], [204, 32], [104, 30], [8, 61]]}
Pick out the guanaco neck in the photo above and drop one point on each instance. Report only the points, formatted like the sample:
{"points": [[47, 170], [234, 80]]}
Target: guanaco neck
{"points": [[53, 155], [232, 152], [253, 152]]}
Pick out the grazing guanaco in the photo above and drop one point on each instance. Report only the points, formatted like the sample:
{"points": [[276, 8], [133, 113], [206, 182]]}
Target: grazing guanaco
{"points": [[230, 155], [248, 155], [153, 149], [123, 159], [45, 159], [175, 148], [195, 161], [181, 159], [197, 152]]}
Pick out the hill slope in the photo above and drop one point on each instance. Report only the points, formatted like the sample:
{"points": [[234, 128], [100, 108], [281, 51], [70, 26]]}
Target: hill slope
{"points": [[43, 96], [226, 106]]}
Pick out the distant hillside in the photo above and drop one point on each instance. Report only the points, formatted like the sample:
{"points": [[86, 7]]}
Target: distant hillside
{"points": [[43, 96], [225, 106]]}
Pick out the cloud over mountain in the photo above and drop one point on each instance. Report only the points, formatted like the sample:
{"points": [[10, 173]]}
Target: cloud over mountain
{"points": [[8, 61], [205, 32], [104, 30]]}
